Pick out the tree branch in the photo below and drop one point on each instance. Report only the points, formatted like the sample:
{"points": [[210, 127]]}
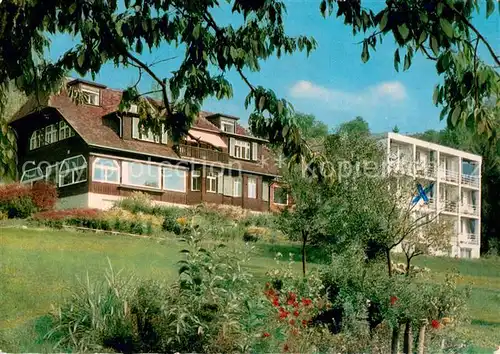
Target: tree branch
{"points": [[427, 53], [472, 27]]}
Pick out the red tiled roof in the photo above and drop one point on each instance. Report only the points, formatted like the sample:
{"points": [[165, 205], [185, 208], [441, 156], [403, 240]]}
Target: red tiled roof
{"points": [[88, 123]]}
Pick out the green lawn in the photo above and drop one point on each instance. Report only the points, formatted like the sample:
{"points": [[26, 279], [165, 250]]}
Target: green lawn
{"points": [[37, 267]]}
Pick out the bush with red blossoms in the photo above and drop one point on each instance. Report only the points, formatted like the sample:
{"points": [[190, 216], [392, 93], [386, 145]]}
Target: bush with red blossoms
{"points": [[22, 200]]}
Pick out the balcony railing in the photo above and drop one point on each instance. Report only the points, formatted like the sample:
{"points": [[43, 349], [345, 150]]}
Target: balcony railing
{"points": [[469, 209], [425, 169], [431, 205], [471, 180], [400, 166], [449, 206], [470, 239], [448, 175], [203, 154]]}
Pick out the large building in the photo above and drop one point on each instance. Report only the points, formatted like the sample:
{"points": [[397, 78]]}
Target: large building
{"points": [[456, 195], [96, 155]]}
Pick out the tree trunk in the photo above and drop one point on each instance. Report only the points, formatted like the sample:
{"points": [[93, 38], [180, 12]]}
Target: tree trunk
{"points": [[421, 339], [395, 340], [408, 339], [389, 265], [304, 241], [408, 262]]}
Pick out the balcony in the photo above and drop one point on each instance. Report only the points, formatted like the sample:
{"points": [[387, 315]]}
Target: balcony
{"points": [[469, 239], [471, 180], [430, 206], [448, 175], [449, 206], [425, 169], [469, 209], [203, 154]]}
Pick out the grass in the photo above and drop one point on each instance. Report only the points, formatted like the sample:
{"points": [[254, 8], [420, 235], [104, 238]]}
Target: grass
{"points": [[38, 267]]}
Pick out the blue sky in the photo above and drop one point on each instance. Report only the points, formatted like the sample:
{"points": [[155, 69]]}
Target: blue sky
{"points": [[332, 83]]}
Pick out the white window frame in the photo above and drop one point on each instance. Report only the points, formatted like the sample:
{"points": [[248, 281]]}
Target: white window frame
{"points": [[225, 123], [105, 169], [148, 136], [212, 182], [237, 192], [252, 188], [265, 191], [35, 140], [65, 131], [195, 174], [39, 177], [75, 171], [126, 178], [50, 134], [176, 170], [91, 97], [241, 149]]}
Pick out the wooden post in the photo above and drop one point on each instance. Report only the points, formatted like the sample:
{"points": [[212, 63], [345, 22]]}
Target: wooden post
{"points": [[421, 337], [395, 340], [408, 339]]}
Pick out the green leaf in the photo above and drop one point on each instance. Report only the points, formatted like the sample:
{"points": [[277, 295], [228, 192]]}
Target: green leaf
{"points": [[81, 59], [196, 31], [403, 31], [397, 60], [383, 20], [439, 9], [447, 27], [434, 45], [72, 8], [490, 7], [322, 8], [455, 115], [365, 54], [423, 17], [435, 95], [422, 38], [138, 46], [262, 101], [407, 62]]}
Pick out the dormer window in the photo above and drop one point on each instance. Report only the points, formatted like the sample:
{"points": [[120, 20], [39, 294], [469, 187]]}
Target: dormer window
{"points": [[91, 95], [227, 125], [147, 135]]}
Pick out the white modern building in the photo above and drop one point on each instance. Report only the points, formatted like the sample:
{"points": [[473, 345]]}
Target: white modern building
{"points": [[457, 185]]}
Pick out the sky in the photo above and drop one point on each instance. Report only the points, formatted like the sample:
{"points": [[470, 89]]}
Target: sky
{"points": [[332, 83]]}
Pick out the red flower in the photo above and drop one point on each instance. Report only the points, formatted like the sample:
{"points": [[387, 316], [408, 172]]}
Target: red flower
{"points": [[306, 302], [435, 324], [285, 347], [291, 298], [266, 334], [295, 304], [270, 293], [393, 300], [304, 323], [268, 285], [296, 313], [292, 322], [276, 301], [283, 313]]}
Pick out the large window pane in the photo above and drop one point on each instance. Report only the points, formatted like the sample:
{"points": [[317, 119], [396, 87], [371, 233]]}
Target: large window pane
{"points": [[174, 179], [140, 174], [106, 170], [72, 171]]}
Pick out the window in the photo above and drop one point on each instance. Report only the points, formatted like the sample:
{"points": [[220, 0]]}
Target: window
{"points": [[32, 175], [141, 174], [242, 149], [280, 196], [141, 133], [36, 140], [174, 179], [265, 191], [91, 96], [227, 126], [252, 187], [196, 181], [106, 170], [51, 174], [73, 171], [50, 134], [212, 179], [237, 190], [65, 130]]}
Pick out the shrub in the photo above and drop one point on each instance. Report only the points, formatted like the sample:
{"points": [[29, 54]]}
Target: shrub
{"points": [[254, 234], [16, 200], [136, 202], [44, 195], [260, 220]]}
